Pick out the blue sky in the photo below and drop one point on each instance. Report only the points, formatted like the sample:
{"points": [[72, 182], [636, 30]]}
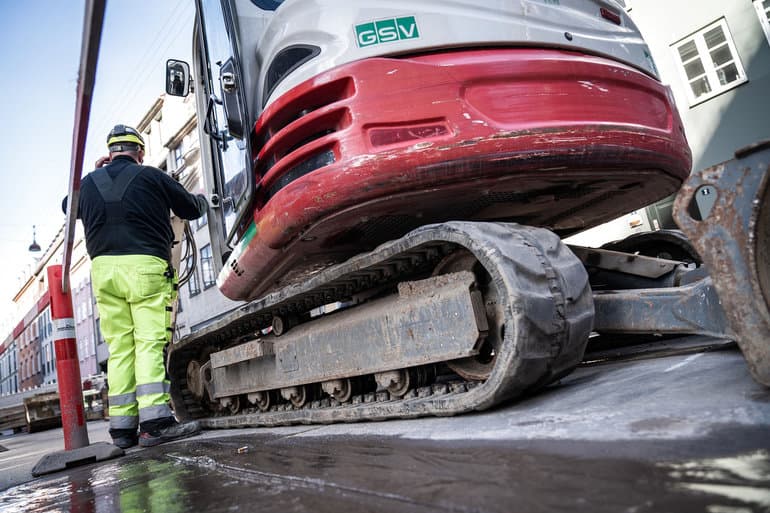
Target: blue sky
{"points": [[40, 43]]}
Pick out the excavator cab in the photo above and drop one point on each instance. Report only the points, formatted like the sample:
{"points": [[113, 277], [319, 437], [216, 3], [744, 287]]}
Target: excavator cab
{"points": [[219, 85]]}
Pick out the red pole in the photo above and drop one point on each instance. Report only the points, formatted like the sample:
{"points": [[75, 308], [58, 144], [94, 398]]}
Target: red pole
{"points": [[67, 363], [89, 53]]}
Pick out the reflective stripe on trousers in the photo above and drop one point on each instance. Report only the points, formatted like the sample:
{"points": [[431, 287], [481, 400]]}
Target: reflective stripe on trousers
{"points": [[153, 400], [133, 294]]}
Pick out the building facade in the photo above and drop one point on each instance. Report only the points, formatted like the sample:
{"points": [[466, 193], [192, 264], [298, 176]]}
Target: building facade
{"points": [[715, 57], [9, 370], [170, 131], [30, 370], [83, 310], [47, 349], [27, 356]]}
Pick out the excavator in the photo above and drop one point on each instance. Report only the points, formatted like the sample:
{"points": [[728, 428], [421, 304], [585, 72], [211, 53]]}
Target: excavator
{"points": [[390, 186]]}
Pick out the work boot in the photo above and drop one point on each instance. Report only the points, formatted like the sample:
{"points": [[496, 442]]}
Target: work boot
{"points": [[124, 438], [171, 432]]}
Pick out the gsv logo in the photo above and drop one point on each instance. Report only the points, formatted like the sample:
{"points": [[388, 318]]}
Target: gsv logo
{"points": [[385, 31]]}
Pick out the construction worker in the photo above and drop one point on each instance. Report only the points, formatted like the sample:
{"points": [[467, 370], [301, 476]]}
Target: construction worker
{"points": [[124, 207]]}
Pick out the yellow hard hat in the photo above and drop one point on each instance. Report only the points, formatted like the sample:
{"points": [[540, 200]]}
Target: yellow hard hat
{"points": [[124, 138]]}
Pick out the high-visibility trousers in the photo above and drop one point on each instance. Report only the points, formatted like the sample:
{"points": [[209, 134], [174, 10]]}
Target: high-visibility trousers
{"points": [[134, 298]]}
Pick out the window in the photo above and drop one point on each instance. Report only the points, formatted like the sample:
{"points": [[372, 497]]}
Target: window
{"points": [[193, 285], [202, 220], [178, 156], [709, 62], [763, 11], [207, 267]]}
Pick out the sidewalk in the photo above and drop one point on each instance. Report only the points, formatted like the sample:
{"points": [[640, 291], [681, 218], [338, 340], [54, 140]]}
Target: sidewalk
{"points": [[25, 449]]}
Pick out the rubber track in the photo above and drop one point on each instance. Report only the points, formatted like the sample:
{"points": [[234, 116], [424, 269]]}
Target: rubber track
{"points": [[544, 292]]}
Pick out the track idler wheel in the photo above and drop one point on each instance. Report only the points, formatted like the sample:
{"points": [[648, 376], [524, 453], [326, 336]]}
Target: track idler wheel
{"points": [[477, 368], [194, 379]]}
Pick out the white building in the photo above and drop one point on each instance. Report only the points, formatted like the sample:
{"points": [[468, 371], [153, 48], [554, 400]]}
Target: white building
{"points": [[170, 131], [715, 56]]}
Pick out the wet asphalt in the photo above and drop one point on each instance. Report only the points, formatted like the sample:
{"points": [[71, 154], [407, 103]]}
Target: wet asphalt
{"points": [[308, 474], [684, 442]]}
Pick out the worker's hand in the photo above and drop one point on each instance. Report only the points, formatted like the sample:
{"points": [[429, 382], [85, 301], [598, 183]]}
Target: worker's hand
{"points": [[203, 203], [101, 161]]}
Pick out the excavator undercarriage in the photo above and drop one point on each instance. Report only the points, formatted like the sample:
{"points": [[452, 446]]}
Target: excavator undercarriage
{"points": [[462, 316]]}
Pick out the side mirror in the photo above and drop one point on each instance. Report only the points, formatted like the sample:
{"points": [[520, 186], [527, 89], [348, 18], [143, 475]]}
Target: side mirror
{"points": [[177, 78]]}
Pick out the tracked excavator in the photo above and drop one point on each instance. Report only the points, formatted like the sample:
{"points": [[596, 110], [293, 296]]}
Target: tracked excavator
{"points": [[390, 183]]}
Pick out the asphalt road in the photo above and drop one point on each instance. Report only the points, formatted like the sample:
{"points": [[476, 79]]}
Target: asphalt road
{"points": [[676, 433]]}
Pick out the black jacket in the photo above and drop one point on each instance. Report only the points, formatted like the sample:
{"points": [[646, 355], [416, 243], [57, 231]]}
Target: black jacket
{"points": [[146, 226]]}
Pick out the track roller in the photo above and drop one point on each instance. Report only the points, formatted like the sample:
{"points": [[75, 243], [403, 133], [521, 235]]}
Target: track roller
{"points": [[399, 382], [342, 390], [300, 395], [231, 404], [263, 400]]}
